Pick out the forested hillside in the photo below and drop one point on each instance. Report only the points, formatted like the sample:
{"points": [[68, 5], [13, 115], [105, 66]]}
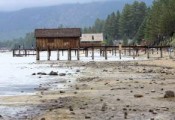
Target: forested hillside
{"points": [[17, 23], [152, 25]]}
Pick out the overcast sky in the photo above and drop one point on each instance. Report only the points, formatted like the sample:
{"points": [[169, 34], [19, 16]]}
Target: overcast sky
{"points": [[10, 5]]}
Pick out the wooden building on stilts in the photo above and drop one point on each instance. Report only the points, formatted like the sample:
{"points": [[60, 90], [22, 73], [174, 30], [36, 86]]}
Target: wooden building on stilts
{"points": [[91, 39], [57, 40]]}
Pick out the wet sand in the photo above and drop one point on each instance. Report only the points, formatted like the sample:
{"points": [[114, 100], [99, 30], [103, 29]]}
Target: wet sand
{"points": [[112, 90]]}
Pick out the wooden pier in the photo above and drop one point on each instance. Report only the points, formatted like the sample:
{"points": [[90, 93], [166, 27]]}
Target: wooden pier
{"points": [[23, 52], [132, 51]]}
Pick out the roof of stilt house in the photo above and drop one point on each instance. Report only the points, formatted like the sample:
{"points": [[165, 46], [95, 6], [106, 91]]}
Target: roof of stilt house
{"points": [[58, 32]]}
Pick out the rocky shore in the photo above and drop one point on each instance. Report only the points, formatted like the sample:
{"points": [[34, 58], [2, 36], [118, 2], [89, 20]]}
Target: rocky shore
{"points": [[133, 90]]}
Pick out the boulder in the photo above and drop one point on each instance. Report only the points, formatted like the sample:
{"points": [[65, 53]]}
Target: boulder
{"points": [[62, 74], [169, 94], [53, 73]]}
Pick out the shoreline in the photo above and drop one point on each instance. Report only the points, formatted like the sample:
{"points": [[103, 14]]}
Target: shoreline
{"points": [[107, 85]]}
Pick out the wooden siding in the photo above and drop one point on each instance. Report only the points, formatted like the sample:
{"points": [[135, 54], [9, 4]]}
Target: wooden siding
{"points": [[57, 43], [87, 44]]}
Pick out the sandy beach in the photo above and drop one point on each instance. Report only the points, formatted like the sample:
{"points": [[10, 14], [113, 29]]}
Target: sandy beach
{"points": [[106, 90]]}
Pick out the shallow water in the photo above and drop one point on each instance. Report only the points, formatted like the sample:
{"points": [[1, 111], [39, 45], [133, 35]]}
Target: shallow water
{"points": [[16, 74]]}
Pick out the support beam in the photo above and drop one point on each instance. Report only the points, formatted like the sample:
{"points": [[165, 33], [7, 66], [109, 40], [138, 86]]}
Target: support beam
{"points": [[106, 56], [78, 54], [120, 54], [13, 52], [161, 52], [86, 52], [37, 54], [48, 54], [75, 52], [92, 53], [115, 50], [69, 54], [58, 54], [134, 50], [148, 53], [129, 51]]}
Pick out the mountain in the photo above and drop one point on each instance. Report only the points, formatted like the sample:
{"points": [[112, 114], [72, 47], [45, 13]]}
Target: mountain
{"points": [[17, 23]]}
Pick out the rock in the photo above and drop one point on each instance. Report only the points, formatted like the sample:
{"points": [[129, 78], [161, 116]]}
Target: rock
{"points": [[33, 73], [41, 73], [62, 74], [153, 91], [125, 115], [1, 116], [105, 70], [169, 94], [43, 119], [77, 70], [130, 78], [104, 107], [138, 95], [70, 108], [118, 99], [87, 117], [53, 73], [62, 91], [150, 110]]}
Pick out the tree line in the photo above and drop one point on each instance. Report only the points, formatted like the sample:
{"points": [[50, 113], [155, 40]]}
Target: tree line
{"points": [[138, 23]]}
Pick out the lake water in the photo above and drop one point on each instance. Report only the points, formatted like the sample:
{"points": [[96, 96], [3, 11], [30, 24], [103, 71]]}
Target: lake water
{"points": [[16, 72]]}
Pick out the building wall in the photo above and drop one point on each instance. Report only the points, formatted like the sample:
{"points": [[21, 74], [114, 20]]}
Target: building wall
{"points": [[87, 44], [57, 43]]}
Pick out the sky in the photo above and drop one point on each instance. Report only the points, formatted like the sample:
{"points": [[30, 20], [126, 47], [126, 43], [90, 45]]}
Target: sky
{"points": [[11, 5]]}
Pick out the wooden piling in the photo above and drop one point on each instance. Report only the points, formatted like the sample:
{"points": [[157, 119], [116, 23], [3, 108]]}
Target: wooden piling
{"points": [[106, 56], [58, 54], [100, 52], [69, 54], [86, 52], [161, 52], [129, 51], [120, 51], [134, 50], [62, 53], [78, 54], [37, 54], [92, 53], [48, 54], [148, 53], [13, 52], [75, 52], [25, 52]]}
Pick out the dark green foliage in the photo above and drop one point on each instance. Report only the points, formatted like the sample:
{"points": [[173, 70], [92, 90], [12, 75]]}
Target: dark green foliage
{"points": [[160, 24], [122, 25], [125, 40]]}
